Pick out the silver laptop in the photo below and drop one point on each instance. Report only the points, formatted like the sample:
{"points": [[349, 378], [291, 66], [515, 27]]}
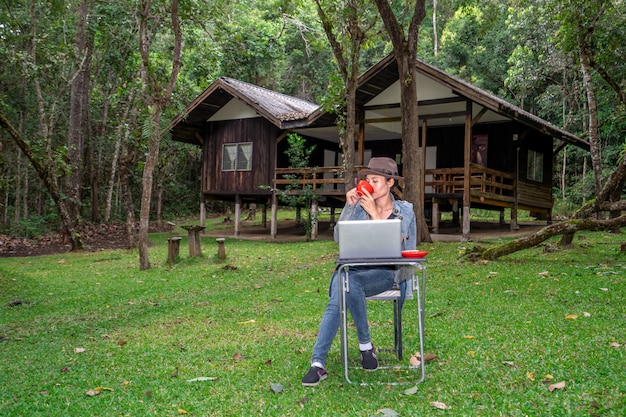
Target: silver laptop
{"points": [[369, 239]]}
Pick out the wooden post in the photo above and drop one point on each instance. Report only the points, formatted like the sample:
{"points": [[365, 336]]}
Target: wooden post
{"points": [[221, 248], [467, 173], [193, 236], [274, 220], [435, 216], [202, 213], [173, 250], [264, 216], [237, 214], [314, 228]]}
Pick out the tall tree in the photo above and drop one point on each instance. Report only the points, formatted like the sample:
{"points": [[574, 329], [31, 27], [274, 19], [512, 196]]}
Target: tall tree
{"points": [[79, 109], [347, 25], [405, 53], [157, 96]]}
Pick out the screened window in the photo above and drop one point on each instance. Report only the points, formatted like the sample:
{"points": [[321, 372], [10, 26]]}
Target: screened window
{"points": [[534, 170], [237, 157]]}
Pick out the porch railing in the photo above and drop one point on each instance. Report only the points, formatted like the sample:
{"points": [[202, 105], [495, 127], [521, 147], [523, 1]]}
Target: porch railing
{"points": [[483, 180], [330, 181]]}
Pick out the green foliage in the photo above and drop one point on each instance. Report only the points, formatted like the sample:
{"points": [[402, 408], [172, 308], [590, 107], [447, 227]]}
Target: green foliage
{"points": [[295, 194], [243, 328], [35, 226]]}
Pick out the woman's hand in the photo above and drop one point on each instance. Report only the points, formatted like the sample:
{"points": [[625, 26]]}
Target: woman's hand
{"points": [[352, 197], [369, 204]]}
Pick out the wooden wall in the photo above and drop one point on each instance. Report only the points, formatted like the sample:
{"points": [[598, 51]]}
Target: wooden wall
{"points": [[263, 136]]}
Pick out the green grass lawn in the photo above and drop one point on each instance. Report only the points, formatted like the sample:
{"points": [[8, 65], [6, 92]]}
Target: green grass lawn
{"points": [[74, 325]]}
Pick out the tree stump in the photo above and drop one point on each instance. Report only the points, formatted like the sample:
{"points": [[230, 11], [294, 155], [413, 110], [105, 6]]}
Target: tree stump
{"points": [[221, 248], [193, 235], [173, 249]]}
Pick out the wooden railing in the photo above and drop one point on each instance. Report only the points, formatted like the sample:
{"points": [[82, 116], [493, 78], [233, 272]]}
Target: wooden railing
{"points": [[484, 181], [323, 180]]}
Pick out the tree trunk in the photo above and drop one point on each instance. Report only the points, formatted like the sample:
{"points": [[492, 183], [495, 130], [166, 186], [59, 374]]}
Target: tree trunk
{"points": [[49, 180], [594, 136], [405, 52], [127, 158], [79, 92], [147, 181], [157, 97], [348, 65], [565, 228]]}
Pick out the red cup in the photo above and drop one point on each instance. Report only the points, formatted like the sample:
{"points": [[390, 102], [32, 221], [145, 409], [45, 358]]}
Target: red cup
{"points": [[364, 185]]}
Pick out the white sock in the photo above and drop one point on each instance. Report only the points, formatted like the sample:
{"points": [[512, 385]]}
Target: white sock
{"points": [[318, 364], [365, 346]]}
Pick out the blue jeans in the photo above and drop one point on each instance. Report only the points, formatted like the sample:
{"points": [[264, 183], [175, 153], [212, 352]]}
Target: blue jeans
{"points": [[364, 282]]}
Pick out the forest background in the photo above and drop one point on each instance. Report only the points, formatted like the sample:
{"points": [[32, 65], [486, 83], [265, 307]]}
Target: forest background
{"points": [[80, 82]]}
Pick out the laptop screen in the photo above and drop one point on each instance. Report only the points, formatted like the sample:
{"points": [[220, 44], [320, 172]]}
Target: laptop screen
{"points": [[369, 239]]}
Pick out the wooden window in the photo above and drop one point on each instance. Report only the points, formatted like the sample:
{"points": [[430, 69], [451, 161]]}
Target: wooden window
{"points": [[237, 156], [534, 170]]}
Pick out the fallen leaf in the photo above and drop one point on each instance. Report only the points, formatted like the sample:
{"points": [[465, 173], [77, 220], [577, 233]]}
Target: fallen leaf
{"points": [[468, 337], [79, 350], [471, 352], [246, 322], [202, 378], [585, 314], [558, 385], [93, 392], [509, 363], [410, 391], [429, 357], [571, 316], [181, 411], [276, 387], [531, 376], [440, 405], [549, 377], [121, 342], [388, 412], [615, 345], [237, 356]]}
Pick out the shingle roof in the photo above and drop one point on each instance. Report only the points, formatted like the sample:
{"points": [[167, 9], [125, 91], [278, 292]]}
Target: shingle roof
{"points": [[282, 110], [280, 106]]}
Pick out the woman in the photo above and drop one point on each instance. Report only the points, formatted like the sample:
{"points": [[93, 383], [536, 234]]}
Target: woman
{"points": [[382, 174]]}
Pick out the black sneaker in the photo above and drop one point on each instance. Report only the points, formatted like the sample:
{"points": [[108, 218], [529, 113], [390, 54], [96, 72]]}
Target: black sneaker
{"points": [[369, 361], [314, 376]]}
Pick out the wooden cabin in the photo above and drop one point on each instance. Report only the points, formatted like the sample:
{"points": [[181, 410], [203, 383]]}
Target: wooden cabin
{"points": [[480, 151]]}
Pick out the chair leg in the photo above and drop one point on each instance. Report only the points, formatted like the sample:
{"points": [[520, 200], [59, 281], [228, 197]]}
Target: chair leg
{"points": [[397, 328]]}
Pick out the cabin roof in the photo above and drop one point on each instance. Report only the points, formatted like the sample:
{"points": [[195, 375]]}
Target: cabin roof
{"points": [[438, 93], [441, 96], [282, 110]]}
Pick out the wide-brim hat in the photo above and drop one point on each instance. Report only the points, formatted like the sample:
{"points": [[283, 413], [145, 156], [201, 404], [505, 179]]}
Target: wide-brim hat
{"points": [[384, 166]]}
